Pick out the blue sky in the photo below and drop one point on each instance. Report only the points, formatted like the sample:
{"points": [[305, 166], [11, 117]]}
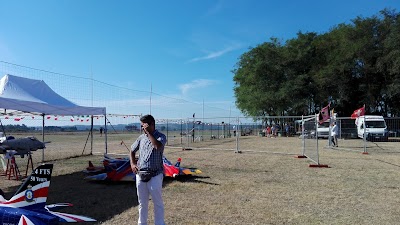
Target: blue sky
{"points": [[183, 49]]}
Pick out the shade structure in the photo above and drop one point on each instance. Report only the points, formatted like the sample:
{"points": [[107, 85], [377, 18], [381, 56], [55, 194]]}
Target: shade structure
{"points": [[35, 96]]}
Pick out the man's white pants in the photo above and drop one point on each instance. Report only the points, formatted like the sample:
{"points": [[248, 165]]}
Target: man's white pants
{"points": [[154, 188]]}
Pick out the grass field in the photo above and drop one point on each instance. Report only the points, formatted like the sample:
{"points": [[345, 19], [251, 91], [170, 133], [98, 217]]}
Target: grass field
{"points": [[265, 184]]}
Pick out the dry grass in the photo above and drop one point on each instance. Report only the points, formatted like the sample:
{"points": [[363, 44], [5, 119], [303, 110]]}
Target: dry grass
{"points": [[265, 184]]}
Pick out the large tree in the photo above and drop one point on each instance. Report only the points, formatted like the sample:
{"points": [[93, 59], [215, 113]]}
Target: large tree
{"points": [[258, 78], [351, 65]]}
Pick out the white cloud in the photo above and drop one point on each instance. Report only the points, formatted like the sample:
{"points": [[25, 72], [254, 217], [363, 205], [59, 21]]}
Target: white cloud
{"points": [[200, 83], [216, 54]]}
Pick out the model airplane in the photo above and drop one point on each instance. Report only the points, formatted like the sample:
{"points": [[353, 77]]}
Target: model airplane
{"points": [[21, 146], [28, 204], [119, 169]]}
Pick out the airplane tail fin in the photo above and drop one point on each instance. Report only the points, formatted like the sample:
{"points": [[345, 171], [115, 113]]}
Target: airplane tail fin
{"points": [[32, 194], [178, 162]]}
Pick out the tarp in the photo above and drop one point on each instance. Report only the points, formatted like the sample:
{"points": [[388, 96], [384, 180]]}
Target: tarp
{"points": [[35, 96]]}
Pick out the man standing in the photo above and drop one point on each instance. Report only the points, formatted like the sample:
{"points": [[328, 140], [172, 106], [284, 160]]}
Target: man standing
{"points": [[334, 133], [287, 129], [150, 163]]}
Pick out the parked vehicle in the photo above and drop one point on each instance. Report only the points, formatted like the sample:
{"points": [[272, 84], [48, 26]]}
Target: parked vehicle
{"points": [[372, 127], [323, 128]]}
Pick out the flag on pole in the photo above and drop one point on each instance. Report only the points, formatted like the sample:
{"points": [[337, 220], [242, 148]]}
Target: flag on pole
{"points": [[324, 114], [358, 112]]}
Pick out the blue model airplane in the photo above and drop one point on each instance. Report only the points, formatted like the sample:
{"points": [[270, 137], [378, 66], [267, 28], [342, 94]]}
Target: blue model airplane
{"points": [[28, 204]]}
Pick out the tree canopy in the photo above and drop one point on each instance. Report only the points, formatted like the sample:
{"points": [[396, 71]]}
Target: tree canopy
{"points": [[349, 66]]}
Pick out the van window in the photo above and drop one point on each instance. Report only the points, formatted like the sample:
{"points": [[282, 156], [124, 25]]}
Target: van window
{"points": [[375, 124]]}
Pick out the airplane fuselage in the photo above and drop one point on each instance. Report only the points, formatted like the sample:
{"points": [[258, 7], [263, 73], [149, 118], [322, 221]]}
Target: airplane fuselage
{"points": [[21, 146]]}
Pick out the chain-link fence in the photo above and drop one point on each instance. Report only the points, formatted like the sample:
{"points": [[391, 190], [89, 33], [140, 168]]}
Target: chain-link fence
{"points": [[67, 137], [219, 127], [227, 133], [368, 136]]}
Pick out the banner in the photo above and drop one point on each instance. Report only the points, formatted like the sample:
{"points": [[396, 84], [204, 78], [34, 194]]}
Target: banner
{"points": [[324, 114], [358, 112]]}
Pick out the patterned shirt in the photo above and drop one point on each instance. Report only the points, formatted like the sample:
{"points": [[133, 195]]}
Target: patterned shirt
{"points": [[149, 157]]}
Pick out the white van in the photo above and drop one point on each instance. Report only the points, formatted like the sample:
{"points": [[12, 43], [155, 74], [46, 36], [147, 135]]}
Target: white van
{"points": [[323, 128], [375, 128]]}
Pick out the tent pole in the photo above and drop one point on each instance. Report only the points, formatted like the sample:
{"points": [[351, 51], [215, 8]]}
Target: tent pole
{"points": [[43, 137], [105, 132], [91, 136]]}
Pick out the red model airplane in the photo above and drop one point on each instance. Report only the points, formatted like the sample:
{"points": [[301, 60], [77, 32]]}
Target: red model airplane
{"points": [[119, 169]]}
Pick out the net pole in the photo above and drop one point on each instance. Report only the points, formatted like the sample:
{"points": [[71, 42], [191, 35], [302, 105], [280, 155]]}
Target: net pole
{"points": [[105, 133], [91, 135], [365, 136], [330, 132], [316, 136], [43, 137], [181, 131], [187, 132], [237, 136], [302, 135]]}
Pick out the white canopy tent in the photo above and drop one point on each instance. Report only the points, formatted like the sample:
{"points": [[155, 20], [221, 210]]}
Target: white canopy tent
{"points": [[35, 96], [28, 95]]}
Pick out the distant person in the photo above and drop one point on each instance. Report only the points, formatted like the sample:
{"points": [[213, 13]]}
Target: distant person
{"points": [[149, 169], [334, 133], [101, 131], [277, 128], [268, 131], [273, 131], [287, 128]]}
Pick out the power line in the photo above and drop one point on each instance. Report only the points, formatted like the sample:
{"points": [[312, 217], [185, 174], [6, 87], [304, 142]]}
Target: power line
{"points": [[112, 85]]}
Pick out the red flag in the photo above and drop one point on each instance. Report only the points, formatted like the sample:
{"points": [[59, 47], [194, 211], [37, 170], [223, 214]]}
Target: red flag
{"points": [[324, 114], [358, 112]]}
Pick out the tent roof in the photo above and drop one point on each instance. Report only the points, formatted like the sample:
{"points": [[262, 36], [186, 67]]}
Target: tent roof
{"points": [[29, 95]]}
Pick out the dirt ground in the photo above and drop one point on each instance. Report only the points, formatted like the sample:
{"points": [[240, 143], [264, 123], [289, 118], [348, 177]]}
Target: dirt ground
{"points": [[265, 184]]}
